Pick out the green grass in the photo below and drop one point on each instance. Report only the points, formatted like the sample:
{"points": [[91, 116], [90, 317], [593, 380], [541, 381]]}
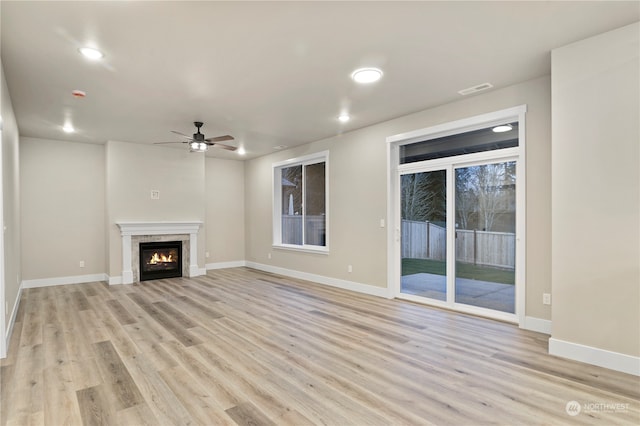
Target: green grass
{"points": [[463, 270]]}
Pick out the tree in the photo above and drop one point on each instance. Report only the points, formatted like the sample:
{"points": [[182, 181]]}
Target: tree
{"points": [[424, 196]]}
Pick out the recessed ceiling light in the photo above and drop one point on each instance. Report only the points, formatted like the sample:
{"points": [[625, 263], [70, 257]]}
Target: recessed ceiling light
{"points": [[91, 53], [68, 128], [503, 128], [366, 75], [343, 118], [241, 151]]}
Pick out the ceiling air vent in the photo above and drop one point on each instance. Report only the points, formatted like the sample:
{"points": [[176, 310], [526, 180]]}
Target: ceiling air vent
{"points": [[474, 89]]}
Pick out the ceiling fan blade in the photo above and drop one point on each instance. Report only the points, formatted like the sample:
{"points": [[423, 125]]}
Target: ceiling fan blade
{"points": [[220, 138], [223, 146], [182, 134], [160, 143]]}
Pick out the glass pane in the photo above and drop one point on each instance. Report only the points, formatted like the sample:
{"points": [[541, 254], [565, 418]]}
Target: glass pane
{"points": [[291, 187], [461, 143], [315, 213], [485, 236], [424, 248]]}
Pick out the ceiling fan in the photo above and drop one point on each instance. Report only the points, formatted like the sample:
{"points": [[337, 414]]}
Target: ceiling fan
{"points": [[198, 143]]}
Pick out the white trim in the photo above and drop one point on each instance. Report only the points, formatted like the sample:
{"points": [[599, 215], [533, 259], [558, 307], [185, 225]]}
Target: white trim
{"points": [[303, 248], [75, 279], [320, 279], [536, 324], [158, 228], [225, 265], [595, 356]]}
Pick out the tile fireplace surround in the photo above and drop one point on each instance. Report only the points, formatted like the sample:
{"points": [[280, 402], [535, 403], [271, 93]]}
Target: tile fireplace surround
{"points": [[135, 232]]}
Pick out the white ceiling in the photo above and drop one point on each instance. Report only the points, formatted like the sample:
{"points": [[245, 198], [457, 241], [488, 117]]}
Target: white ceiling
{"points": [[270, 73]]}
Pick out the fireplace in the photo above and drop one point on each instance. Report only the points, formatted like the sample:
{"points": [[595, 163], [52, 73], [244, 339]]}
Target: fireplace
{"points": [[161, 259]]}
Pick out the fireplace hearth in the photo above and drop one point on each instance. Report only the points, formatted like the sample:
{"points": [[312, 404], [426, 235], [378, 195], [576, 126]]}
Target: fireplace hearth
{"points": [[162, 259]]}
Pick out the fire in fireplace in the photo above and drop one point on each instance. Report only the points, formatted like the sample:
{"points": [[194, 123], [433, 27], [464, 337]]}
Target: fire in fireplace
{"points": [[160, 260]]}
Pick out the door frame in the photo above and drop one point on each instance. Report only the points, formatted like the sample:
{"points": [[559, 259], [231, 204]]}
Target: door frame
{"points": [[394, 169]]}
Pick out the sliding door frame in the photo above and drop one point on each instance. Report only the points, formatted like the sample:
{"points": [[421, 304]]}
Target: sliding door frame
{"points": [[395, 169]]}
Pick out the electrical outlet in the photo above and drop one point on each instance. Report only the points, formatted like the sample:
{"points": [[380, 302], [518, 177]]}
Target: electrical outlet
{"points": [[381, 223], [155, 194], [268, 255], [350, 269], [546, 298], [82, 263], [206, 254]]}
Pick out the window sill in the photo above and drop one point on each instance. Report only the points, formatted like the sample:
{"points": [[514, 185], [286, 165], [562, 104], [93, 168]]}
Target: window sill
{"points": [[303, 249]]}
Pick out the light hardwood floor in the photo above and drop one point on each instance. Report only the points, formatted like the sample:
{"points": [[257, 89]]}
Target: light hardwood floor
{"points": [[239, 346]]}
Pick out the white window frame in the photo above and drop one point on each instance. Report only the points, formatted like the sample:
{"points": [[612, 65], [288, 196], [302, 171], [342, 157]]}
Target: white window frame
{"points": [[306, 160]]}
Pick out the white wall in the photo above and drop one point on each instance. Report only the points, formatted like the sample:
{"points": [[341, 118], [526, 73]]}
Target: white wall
{"points": [[10, 203], [224, 193], [596, 200], [63, 208], [358, 197]]}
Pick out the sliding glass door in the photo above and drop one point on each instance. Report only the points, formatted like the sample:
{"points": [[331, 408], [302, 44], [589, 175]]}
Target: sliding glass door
{"points": [[459, 215]]}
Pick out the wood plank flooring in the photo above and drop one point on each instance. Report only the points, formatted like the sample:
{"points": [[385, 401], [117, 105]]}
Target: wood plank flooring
{"points": [[239, 346]]}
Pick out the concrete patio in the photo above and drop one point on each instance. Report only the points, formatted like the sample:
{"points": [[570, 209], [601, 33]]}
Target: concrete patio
{"points": [[497, 296]]}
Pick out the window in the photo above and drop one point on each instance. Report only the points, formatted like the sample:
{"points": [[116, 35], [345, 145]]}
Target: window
{"points": [[300, 203]]}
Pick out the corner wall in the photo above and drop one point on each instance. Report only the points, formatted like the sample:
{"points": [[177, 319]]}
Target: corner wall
{"points": [[596, 200]]}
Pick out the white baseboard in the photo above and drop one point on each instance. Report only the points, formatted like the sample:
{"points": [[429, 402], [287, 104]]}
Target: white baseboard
{"points": [[224, 265], [537, 324], [596, 356], [12, 319], [75, 279], [117, 280], [320, 279]]}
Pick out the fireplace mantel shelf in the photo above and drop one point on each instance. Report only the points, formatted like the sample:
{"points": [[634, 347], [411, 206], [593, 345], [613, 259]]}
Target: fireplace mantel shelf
{"points": [[128, 229], [158, 228]]}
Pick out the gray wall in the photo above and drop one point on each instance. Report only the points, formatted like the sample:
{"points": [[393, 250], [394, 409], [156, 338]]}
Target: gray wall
{"points": [[63, 208], [358, 193], [224, 197], [596, 187]]}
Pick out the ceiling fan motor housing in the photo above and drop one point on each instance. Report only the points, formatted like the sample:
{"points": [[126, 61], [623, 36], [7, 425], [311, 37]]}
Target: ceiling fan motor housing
{"points": [[199, 137]]}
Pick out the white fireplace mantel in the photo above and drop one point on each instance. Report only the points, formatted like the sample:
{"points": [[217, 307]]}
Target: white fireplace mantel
{"points": [[127, 229]]}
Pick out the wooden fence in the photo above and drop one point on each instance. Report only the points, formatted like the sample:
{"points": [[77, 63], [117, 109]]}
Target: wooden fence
{"points": [[292, 230], [425, 240]]}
